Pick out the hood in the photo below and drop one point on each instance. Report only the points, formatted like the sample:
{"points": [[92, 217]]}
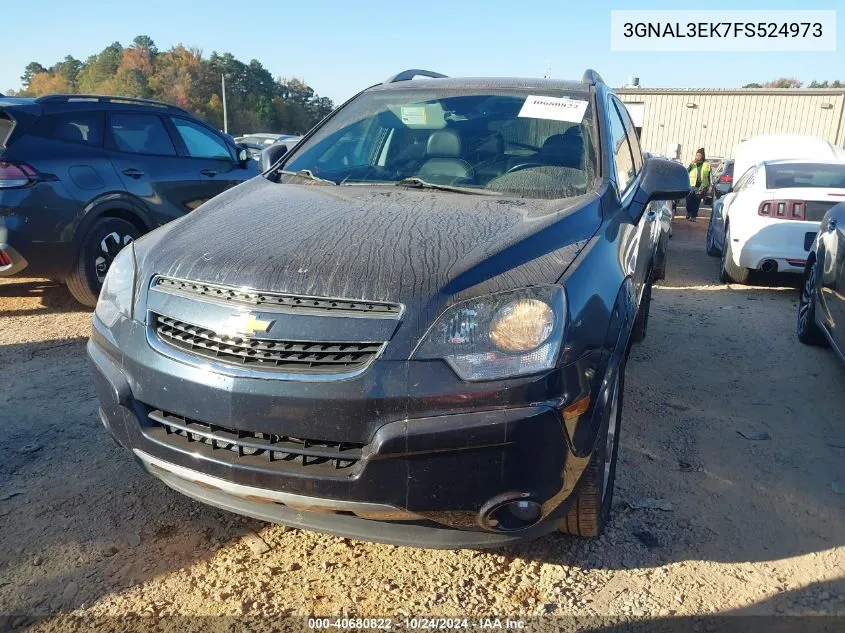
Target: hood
{"points": [[375, 243]]}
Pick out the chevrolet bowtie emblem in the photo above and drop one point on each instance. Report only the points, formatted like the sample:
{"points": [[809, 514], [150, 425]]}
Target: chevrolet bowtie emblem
{"points": [[245, 324]]}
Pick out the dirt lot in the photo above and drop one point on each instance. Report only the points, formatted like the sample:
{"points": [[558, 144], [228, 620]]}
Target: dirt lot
{"points": [[752, 526]]}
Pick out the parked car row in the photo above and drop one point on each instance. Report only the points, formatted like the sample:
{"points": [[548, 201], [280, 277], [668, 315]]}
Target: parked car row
{"points": [[82, 176], [723, 179], [412, 327], [783, 215], [257, 142]]}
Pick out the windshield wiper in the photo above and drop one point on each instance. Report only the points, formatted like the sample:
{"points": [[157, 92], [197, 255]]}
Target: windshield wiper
{"points": [[306, 173], [419, 183]]}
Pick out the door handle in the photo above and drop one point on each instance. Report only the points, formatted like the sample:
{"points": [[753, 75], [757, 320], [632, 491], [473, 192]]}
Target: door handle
{"points": [[133, 173], [211, 173]]}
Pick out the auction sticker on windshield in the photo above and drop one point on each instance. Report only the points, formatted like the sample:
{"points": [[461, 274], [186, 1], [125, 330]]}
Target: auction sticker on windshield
{"points": [[413, 115], [554, 108]]}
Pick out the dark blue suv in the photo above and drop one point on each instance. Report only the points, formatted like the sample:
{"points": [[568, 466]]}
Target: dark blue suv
{"points": [[411, 328], [82, 176]]}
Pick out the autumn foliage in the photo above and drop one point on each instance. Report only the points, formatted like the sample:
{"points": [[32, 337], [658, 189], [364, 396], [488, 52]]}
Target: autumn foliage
{"points": [[256, 102]]}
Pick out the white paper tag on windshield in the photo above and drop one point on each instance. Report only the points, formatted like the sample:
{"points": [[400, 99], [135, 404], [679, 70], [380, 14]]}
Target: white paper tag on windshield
{"points": [[554, 108], [413, 115]]}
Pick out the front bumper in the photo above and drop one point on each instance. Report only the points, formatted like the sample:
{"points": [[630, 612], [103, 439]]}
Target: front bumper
{"points": [[428, 467]]}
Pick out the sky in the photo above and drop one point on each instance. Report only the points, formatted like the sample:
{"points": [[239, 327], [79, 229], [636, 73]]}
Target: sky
{"points": [[340, 47]]}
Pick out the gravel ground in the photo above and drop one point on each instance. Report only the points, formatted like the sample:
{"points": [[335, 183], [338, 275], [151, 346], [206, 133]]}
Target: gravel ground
{"points": [[750, 526]]}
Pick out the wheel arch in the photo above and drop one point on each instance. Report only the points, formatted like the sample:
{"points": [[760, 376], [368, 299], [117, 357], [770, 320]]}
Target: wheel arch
{"points": [[617, 345], [112, 206]]}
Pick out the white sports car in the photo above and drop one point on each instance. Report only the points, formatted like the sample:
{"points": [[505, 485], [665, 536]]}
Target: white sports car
{"points": [[771, 216]]}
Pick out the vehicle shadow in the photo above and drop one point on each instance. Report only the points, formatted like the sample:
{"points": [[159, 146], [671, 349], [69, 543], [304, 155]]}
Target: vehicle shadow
{"points": [[36, 296]]}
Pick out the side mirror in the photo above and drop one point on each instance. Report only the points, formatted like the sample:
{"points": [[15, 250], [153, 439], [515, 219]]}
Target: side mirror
{"points": [[243, 154], [662, 179], [271, 155]]}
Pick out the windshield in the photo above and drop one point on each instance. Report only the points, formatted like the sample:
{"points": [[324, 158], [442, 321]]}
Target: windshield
{"points": [[507, 141], [829, 176]]}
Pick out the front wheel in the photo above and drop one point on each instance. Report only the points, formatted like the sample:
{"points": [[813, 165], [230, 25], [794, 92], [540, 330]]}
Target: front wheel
{"points": [[100, 246], [730, 272], [809, 332], [591, 510]]}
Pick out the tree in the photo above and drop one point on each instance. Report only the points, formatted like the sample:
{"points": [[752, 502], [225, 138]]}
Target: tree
{"points": [[783, 82], [32, 69], [145, 43], [182, 76], [99, 70], [69, 69], [48, 83]]}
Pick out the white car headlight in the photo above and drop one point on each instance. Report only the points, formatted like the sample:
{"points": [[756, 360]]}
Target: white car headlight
{"points": [[117, 294], [499, 336]]}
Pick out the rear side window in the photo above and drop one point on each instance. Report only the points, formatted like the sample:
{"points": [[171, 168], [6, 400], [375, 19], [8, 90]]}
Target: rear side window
{"points": [[141, 134], [5, 128], [75, 127], [827, 176], [622, 158], [201, 143]]}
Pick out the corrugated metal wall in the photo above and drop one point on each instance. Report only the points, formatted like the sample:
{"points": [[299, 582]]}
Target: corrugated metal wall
{"points": [[721, 119]]}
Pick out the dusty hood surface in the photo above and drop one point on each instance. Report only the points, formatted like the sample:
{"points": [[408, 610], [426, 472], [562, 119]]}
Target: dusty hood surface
{"points": [[378, 243]]}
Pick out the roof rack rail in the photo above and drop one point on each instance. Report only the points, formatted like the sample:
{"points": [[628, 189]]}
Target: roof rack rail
{"points": [[407, 75], [591, 77], [106, 98]]}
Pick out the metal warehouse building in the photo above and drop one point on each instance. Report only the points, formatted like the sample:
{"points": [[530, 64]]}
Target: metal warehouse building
{"points": [[676, 122]]}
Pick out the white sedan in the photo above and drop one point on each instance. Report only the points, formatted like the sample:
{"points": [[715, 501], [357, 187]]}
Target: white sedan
{"points": [[771, 216]]}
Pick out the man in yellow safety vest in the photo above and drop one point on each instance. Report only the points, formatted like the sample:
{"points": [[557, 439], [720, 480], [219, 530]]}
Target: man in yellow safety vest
{"points": [[699, 181]]}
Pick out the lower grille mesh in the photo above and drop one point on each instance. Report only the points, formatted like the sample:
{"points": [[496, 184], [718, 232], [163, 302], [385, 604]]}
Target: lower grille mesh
{"points": [[251, 446], [265, 353]]}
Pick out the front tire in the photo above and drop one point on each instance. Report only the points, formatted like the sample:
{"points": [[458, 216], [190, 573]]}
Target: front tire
{"points": [[731, 273], [590, 511], [808, 331], [100, 246]]}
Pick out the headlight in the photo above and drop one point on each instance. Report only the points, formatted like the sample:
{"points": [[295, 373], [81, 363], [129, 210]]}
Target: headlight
{"points": [[117, 294], [498, 336]]}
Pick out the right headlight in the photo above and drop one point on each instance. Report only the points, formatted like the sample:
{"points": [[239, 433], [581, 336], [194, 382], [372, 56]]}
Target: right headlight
{"points": [[499, 336]]}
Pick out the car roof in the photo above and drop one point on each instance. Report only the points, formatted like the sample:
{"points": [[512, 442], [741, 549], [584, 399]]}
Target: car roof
{"points": [[4, 101], [783, 146], [479, 83], [804, 161]]}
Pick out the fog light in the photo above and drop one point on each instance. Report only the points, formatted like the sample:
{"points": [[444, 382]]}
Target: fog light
{"points": [[527, 511], [509, 513]]}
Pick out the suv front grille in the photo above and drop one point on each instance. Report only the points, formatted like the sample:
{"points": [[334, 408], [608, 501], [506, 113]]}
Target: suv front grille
{"points": [[251, 447], [297, 303], [296, 356]]}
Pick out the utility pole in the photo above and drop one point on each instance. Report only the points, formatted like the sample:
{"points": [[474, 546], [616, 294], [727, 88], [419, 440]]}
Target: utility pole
{"points": [[225, 114]]}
